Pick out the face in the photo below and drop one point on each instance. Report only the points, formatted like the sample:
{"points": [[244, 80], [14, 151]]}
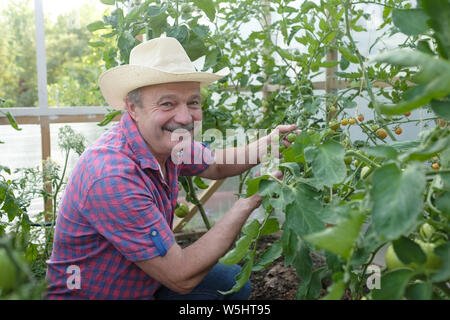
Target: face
{"points": [[166, 108]]}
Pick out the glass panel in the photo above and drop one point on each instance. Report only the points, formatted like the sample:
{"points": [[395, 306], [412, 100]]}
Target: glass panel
{"points": [[73, 67], [89, 130], [18, 78], [22, 149]]}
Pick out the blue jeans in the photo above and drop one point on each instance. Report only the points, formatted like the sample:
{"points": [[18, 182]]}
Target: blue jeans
{"points": [[220, 277]]}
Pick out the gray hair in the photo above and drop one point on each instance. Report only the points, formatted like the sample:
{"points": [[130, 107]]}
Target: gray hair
{"points": [[134, 97]]}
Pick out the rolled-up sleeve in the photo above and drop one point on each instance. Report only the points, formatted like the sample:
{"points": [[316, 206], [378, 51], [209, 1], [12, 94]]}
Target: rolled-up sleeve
{"points": [[122, 211]]}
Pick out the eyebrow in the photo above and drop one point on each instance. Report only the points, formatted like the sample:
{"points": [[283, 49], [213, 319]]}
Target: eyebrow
{"points": [[174, 97]]}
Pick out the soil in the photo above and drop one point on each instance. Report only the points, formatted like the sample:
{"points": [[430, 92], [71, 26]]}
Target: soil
{"points": [[277, 281]]}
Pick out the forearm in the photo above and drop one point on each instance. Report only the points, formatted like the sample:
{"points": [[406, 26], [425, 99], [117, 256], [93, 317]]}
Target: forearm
{"points": [[203, 254], [234, 161]]}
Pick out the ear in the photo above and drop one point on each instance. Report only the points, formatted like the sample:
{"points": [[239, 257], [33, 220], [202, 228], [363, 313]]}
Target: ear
{"points": [[131, 108]]}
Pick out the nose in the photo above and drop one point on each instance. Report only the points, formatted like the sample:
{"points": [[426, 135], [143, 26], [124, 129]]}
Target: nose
{"points": [[183, 115]]}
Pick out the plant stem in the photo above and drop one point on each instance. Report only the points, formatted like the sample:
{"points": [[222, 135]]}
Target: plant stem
{"points": [[347, 7], [197, 202], [362, 158], [367, 265]]}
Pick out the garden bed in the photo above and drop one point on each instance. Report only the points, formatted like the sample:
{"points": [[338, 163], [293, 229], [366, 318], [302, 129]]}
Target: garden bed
{"points": [[277, 281]]}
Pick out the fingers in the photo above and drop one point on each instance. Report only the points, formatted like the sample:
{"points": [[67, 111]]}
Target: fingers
{"points": [[277, 174], [285, 128]]}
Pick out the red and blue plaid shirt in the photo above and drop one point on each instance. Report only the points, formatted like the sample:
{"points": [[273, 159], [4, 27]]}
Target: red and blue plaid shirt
{"points": [[117, 209]]}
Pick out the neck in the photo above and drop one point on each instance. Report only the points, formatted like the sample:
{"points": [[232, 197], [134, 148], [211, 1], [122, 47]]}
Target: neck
{"points": [[161, 159]]}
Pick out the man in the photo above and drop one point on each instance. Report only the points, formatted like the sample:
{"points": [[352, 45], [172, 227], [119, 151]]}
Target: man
{"points": [[113, 237]]}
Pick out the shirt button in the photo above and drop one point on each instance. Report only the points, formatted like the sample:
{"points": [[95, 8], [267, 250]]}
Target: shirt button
{"points": [[154, 233]]}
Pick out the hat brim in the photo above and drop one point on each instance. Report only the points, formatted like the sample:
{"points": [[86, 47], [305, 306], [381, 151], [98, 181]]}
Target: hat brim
{"points": [[117, 82]]}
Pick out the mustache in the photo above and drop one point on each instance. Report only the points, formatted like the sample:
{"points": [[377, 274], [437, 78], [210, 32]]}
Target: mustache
{"points": [[172, 128]]}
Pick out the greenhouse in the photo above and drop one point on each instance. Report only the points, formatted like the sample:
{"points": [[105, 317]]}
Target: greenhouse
{"points": [[225, 150]]}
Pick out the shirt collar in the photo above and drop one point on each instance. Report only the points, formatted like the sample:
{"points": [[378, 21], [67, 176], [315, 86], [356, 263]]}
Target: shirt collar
{"points": [[134, 138]]}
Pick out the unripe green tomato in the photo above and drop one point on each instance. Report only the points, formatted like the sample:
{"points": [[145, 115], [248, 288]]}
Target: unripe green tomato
{"points": [[310, 132], [426, 231], [433, 262], [8, 272], [291, 137], [374, 127], [355, 162], [282, 148], [348, 160], [182, 211], [332, 109], [393, 262], [364, 171]]}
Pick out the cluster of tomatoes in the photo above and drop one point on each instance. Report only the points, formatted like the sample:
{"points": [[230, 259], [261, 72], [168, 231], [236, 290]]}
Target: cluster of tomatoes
{"points": [[379, 131], [427, 242]]}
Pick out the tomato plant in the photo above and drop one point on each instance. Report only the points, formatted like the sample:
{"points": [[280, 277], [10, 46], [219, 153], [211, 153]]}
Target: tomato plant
{"points": [[371, 192]]}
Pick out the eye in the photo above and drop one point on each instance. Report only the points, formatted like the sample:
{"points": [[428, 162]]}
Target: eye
{"points": [[167, 104], [194, 103]]}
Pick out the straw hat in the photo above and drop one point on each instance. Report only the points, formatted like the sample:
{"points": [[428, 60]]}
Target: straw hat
{"points": [[160, 60]]}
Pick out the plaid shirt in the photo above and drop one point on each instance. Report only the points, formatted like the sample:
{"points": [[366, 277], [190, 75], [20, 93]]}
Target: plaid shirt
{"points": [[116, 209]]}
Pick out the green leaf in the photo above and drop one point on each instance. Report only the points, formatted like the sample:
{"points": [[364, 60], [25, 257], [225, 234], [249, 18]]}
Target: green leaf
{"points": [[408, 251], [295, 153], [195, 47], [241, 249], [443, 203], [271, 226], [10, 206], [97, 25], [253, 184], [109, 117], [443, 274], [329, 64], [211, 59], [419, 291], [441, 108], [302, 215], [335, 291], [280, 196], [292, 167], [433, 79], [178, 32], [439, 13], [381, 151], [243, 276], [393, 284], [208, 7], [327, 162], [339, 239], [200, 183], [428, 150], [12, 121], [290, 243], [269, 256], [158, 24], [347, 53], [411, 22], [96, 44], [397, 199], [109, 2], [315, 286]]}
